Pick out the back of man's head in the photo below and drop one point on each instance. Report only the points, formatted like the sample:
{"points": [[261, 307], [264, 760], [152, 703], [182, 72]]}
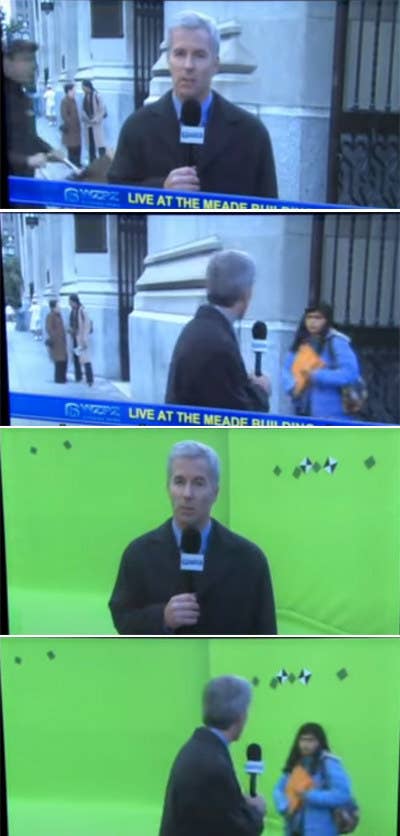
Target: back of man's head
{"points": [[229, 277], [195, 20], [226, 700]]}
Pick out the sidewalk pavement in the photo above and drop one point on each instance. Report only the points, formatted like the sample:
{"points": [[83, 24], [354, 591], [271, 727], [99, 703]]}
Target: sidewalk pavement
{"points": [[31, 370]]}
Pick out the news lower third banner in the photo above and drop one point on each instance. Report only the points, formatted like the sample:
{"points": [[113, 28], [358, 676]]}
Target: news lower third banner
{"points": [[72, 195], [97, 413]]}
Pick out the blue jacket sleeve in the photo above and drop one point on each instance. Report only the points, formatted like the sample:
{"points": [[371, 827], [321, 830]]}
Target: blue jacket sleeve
{"points": [[338, 791], [280, 800], [287, 377], [347, 370]]}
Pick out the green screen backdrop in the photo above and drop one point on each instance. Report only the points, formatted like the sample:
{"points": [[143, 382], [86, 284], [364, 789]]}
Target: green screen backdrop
{"points": [[323, 504], [92, 725]]}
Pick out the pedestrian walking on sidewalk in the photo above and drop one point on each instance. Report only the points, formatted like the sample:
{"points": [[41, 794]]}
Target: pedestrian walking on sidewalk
{"points": [[80, 328], [35, 325], [57, 342]]}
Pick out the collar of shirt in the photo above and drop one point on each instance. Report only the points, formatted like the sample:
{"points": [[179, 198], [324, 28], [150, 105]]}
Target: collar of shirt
{"points": [[205, 108], [219, 734], [205, 533]]}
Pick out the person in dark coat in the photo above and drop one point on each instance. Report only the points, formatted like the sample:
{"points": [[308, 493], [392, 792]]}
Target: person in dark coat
{"points": [[206, 367], [231, 595], [236, 157], [71, 125], [57, 342], [203, 796], [26, 150]]}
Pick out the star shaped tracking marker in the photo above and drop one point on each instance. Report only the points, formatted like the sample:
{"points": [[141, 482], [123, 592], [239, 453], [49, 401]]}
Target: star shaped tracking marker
{"points": [[306, 465], [330, 465], [304, 676], [282, 676]]}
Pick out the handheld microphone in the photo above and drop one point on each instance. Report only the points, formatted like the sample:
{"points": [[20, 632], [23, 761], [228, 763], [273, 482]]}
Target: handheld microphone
{"points": [[191, 559], [254, 765], [259, 344], [191, 133]]}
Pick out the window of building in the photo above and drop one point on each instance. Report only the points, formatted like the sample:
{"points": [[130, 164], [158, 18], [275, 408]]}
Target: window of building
{"points": [[90, 233], [106, 19]]}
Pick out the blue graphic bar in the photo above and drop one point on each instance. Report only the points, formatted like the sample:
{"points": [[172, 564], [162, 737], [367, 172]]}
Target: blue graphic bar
{"points": [[72, 195], [111, 413]]}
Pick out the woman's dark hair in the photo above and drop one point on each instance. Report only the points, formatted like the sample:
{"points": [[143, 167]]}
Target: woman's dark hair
{"points": [[308, 728], [302, 334], [68, 87], [87, 83], [73, 297]]}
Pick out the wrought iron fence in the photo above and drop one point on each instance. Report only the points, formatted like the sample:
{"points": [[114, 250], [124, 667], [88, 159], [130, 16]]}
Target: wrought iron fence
{"points": [[132, 249], [364, 139], [148, 23], [355, 267]]}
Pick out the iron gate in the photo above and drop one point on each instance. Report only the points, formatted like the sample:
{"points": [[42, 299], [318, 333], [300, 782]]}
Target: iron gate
{"points": [[363, 167], [132, 250], [148, 25], [355, 268]]}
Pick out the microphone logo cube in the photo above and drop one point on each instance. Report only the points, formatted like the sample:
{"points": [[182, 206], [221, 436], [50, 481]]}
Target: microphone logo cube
{"points": [[192, 135], [192, 562]]}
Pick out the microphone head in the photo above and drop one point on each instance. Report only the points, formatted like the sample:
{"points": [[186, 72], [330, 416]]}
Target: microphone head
{"points": [[253, 752], [259, 330], [191, 112], [191, 540]]}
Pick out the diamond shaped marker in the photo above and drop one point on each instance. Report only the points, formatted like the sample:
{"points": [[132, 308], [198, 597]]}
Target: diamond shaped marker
{"points": [[305, 676], [282, 676], [51, 655], [370, 462], [330, 465], [255, 681], [33, 450], [67, 445], [18, 660], [296, 473], [277, 470], [316, 467], [342, 674], [292, 678], [274, 682]]}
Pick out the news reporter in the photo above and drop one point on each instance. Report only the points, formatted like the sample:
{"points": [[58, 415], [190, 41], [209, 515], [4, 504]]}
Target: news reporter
{"points": [[206, 367], [232, 595], [236, 157], [203, 796]]}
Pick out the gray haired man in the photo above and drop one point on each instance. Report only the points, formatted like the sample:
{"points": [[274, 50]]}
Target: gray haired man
{"points": [[233, 592], [203, 796], [236, 157], [206, 367]]}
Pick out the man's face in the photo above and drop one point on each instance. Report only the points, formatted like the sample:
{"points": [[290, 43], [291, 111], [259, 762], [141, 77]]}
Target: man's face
{"points": [[21, 68], [192, 491], [192, 63]]}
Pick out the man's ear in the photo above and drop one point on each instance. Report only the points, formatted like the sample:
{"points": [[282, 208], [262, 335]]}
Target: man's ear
{"points": [[216, 66]]}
